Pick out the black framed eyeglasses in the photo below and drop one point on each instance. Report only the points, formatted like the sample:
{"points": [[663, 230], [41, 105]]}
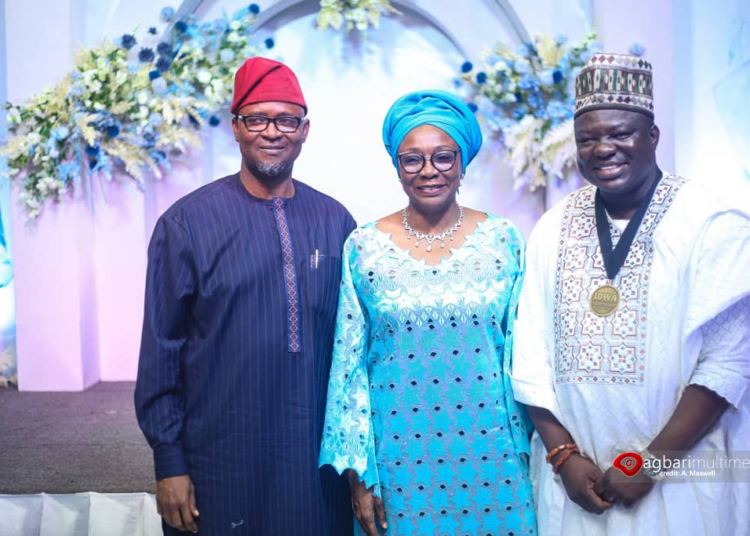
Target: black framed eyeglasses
{"points": [[443, 160], [259, 123]]}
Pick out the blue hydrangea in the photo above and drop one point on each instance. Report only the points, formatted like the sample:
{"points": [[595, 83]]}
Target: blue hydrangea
{"points": [[528, 83], [269, 43], [133, 67], [521, 66], [214, 121], [164, 49], [163, 64], [159, 86], [76, 90], [546, 77], [155, 120], [227, 55], [146, 55], [466, 67], [637, 49], [167, 14], [559, 111], [60, 133], [128, 41], [254, 9], [557, 76], [481, 77], [220, 26]]}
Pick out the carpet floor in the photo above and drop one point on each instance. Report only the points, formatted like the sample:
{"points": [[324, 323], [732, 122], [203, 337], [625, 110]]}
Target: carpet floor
{"points": [[73, 442]]}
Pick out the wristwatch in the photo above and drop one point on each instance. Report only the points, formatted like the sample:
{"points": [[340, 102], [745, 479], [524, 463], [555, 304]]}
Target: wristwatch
{"points": [[652, 466]]}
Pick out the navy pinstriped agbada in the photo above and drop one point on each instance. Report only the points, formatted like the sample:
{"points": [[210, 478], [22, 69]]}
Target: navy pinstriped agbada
{"points": [[223, 394]]}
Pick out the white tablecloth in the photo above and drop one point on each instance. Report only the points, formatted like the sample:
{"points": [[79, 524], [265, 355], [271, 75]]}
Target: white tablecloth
{"points": [[80, 514]]}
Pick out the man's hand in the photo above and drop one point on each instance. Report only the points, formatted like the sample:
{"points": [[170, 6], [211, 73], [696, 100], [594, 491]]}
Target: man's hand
{"points": [[175, 502], [615, 487], [579, 475], [366, 506]]}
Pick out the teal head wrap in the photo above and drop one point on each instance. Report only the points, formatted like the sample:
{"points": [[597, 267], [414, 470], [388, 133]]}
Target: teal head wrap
{"points": [[440, 109]]}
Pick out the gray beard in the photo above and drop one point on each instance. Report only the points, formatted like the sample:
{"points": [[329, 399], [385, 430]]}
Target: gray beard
{"points": [[272, 169]]}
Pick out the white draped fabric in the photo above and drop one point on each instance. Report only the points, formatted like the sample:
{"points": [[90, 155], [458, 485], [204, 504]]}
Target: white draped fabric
{"points": [[80, 514], [614, 382]]}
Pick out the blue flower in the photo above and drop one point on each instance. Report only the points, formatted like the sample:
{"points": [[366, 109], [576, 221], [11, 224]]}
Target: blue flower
{"points": [[481, 77], [194, 121], [254, 9], [521, 66], [133, 67], [92, 150], [146, 55], [473, 107], [227, 55], [528, 82], [547, 77], [214, 121], [269, 43], [155, 120], [112, 131], [220, 26], [164, 49], [153, 75], [637, 49], [181, 26], [492, 59], [152, 30], [60, 133], [128, 41], [167, 13], [557, 76], [159, 86], [559, 110], [561, 39], [466, 67], [76, 90], [163, 64]]}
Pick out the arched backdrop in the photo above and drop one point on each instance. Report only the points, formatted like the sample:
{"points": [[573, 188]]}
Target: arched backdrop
{"points": [[79, 276]]}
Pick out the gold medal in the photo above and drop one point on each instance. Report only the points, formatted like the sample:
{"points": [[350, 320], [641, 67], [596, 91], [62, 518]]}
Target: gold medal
{"points": [[604, 300]]}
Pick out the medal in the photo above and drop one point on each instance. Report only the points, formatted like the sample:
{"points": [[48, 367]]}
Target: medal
{"points": [[606, 298]]}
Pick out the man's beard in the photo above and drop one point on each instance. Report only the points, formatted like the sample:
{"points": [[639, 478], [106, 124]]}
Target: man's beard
{"points": [[271, 170]]}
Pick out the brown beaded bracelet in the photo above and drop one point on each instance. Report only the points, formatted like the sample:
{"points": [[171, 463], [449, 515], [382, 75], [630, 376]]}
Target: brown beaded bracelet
{"points": [[555, 451], [564, 458]]}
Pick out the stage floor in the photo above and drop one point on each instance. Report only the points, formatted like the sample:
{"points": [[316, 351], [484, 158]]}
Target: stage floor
{"points": [[73, 442]]}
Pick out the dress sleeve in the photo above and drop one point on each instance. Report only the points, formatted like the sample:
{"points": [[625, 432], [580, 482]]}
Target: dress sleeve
{"points": [[521, 425], [532, 369], [348, 439], [159, 398], [718, 311]]}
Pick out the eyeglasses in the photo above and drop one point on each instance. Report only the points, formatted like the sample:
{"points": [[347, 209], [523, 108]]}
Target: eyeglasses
{"points": [[414, 162], [259, 123]]}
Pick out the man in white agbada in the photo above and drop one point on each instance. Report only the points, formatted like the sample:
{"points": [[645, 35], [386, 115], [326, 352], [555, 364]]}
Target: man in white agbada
{"points": [[641, 351]]}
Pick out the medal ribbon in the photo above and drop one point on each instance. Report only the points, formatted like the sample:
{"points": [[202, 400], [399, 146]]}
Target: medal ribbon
{"points": [[614, 259]]}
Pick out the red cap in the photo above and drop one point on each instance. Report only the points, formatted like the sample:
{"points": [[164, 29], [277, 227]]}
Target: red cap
{"points": [[262, 80]]}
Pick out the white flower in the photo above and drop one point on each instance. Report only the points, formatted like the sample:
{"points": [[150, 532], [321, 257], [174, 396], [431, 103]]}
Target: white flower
{"points": [[95, 86], [98, 106], [33, 138], [143, 112], [233, 37], [204, 76], [121, 77], [143, 96], [102, 63], [218, 84], [235, 25]]}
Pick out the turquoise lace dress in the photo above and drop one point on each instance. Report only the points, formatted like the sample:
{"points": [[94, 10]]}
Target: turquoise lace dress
{"points": [[419, 400]]}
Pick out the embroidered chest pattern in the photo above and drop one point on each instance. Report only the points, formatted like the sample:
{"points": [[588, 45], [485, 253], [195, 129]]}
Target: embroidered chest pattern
{"points": [[290, 277], [610, 349]]}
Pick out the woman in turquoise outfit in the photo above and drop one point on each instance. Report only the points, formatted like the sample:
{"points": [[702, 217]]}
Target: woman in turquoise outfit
{"points": [[420, 411]]}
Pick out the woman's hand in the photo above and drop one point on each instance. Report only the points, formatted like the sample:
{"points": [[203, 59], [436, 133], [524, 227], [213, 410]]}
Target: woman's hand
{"points": [[366, 506]]}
